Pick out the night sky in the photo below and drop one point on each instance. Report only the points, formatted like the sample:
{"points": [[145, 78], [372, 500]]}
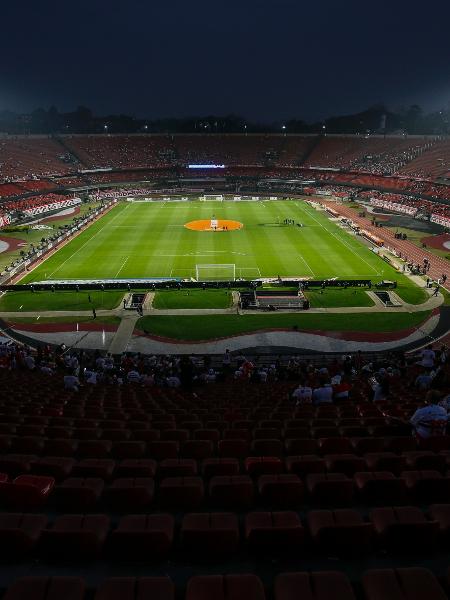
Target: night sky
{"points": [[263, 59]]}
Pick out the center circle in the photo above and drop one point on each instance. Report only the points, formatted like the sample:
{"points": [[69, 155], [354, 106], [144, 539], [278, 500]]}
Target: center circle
{"points": [[214, 225]]}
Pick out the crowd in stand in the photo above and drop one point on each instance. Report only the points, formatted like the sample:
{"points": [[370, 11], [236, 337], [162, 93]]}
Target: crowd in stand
{"points": [[310, 382], [32, 157], [31, 202]]}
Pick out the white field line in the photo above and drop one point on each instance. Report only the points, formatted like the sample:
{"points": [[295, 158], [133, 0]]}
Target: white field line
{"points": [[86, 242], [123, 264], [307, 265], [343, 242]]}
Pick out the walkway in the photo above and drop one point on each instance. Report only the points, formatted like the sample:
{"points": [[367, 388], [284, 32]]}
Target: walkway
{"points": [[123, 334]]}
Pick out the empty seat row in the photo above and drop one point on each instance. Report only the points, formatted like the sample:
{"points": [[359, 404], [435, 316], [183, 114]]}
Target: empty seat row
{"points": [[185, 491], [146, 444], [377, 584], [149, 537]]}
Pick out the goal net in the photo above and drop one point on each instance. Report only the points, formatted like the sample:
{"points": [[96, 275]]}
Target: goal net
{"points": [[224, 272], [211, 198]]}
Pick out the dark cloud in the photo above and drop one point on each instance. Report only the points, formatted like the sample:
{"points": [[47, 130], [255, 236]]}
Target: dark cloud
{"points": [[266, 59]]}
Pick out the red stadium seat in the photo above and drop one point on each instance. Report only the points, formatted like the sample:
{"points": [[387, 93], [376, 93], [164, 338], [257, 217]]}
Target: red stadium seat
{"points": [[274, 531], [267, 447], [129, 588], [225, 587], [325, 585], [335, 445], [19, 534], [281, 491], [210, 534], [401, 584], [90, 449], [424, 460], [136, 467], [212, 467], [46, 588], [60, 447], [441, 514], [124, 450], [381, 488], [15, 464], [300, 446], [385, 461], [78, 537], [78, 493], [130, 494], [340, 532], [263, 465], [344, 463], [50, 466], [327, 489], [303, 465], [231, 492], [26, 492], [162, 450], [94, 467], [404, 529], [185, 493], [233, 448], [177, 467], [427, 486], [143, 538]]}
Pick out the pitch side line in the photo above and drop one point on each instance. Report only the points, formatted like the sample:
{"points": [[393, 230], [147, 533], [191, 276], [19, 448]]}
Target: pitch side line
{"points": [[123, 264], [343, 242], [86, 242], [307, 265]]}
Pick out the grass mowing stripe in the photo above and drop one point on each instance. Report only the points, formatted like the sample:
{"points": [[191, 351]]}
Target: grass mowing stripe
{"points": [[340, 239], [90, 239]]}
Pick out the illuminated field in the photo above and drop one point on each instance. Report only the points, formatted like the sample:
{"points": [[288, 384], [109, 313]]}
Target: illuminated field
{"points": [[151, 240]]}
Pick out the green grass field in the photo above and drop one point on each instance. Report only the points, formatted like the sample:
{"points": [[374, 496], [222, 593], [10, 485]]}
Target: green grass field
{"points": [[141, 240], [207, 327], [192, 299], [150, 240]]}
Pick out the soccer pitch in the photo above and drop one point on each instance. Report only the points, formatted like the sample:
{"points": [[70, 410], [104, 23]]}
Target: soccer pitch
{"points": [[139, 240]]}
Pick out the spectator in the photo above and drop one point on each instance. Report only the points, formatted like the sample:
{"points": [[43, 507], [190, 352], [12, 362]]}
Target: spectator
{"points": [[133, 376], [173, 381], [431, 419], [380, 386], [71, 382], [423, 380], [302, 394], [427, 357], [324, 393]]}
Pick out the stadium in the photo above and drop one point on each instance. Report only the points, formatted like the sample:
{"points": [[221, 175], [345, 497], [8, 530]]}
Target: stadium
{"points": [[224, 340], [304, 240]]}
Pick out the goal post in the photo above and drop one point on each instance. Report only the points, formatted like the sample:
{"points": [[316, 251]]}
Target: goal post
{"points": [[211, 198], [220, 272]]}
